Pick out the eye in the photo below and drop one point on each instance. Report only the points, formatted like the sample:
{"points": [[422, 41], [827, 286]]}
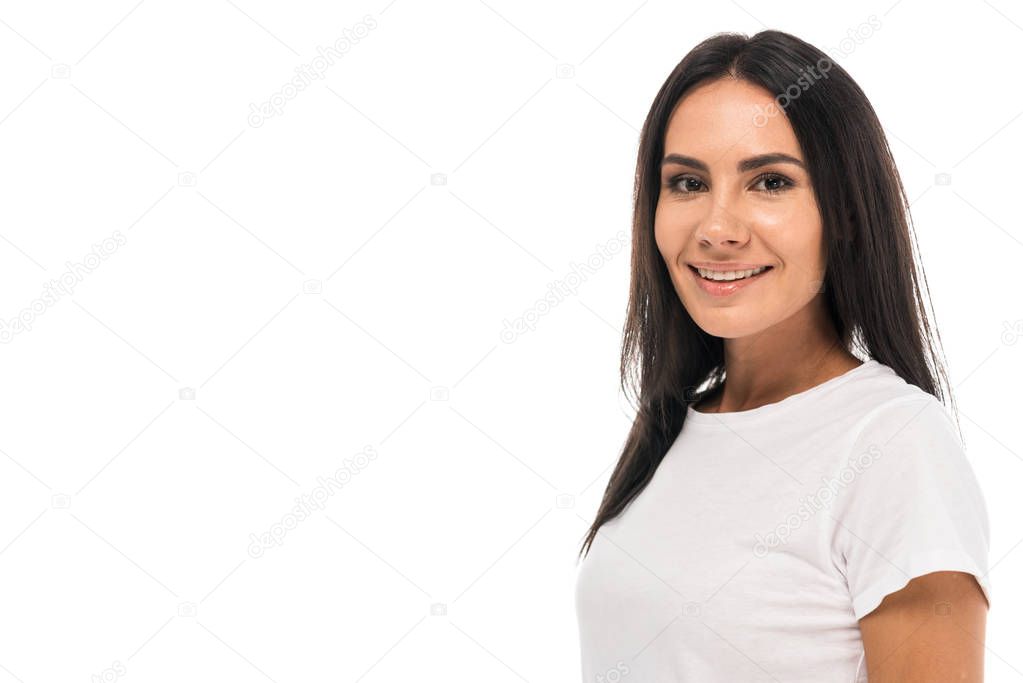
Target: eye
{"points": [[689, 184], [774, 183]]}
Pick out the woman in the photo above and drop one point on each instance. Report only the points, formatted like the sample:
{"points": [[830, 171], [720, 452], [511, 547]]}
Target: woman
{"points": [[782, 510]]}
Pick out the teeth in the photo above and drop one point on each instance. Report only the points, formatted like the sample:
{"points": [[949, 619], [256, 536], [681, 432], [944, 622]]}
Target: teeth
{"points": [[729, 274]]}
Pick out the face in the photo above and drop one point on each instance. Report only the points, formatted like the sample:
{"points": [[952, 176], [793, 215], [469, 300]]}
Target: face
{"points": [[735, 196]]}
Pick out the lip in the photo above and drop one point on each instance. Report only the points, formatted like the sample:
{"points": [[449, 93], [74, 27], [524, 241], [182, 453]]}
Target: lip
{"points": [[725, 265], [727, 287]]}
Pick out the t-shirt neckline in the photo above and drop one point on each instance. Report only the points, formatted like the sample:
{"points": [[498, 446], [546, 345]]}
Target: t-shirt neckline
{"points": [[770, 409]]}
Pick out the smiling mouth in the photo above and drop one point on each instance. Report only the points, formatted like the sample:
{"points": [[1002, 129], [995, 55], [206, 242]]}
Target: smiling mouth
{"points": [[727, 276]]}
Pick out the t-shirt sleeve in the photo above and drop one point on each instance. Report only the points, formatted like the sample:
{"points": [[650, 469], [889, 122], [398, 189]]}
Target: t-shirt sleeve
{"points": [[912, 504]]}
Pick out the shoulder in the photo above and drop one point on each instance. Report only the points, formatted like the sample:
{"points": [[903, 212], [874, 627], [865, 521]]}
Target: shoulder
{"points": [[910, 415], [879, 407], [908, 445], [878, 392], [909, 502]]}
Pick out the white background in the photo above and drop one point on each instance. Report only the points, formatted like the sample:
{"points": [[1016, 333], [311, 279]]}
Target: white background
{"points": [[338, 278]]}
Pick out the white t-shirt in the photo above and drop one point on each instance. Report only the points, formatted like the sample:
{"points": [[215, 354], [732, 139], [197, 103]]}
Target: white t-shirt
{"points": [[766, 534]]}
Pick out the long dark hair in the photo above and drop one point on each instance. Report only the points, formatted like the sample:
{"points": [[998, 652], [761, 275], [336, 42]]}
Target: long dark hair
{"points": [[871, 287]]}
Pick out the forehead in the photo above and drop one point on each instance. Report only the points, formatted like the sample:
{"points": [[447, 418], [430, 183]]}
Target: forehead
{"points": [[729, 119]]}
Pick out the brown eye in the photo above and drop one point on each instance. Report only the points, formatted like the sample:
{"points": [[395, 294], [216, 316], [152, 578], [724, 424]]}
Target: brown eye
{"points": [[684, 184], [774, 183]]}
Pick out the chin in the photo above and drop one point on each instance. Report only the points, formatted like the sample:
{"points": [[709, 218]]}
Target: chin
{"points": [[733, 323]]}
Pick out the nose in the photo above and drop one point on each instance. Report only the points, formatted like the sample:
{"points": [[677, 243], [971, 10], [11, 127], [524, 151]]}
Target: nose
{"points": [[722, 226]]}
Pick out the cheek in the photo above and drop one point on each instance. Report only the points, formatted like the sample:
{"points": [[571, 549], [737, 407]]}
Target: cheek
{"points": [[669, 245], [812, 247], [662, 235], [803, 255], [794, 233], [669, 232]]}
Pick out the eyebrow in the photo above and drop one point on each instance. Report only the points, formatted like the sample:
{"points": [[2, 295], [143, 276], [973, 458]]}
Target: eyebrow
{"points": [[743, 166]]}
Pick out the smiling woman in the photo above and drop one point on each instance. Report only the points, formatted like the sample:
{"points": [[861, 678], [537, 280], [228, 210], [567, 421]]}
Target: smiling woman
{"points": [[752, 201], [793, 501]]}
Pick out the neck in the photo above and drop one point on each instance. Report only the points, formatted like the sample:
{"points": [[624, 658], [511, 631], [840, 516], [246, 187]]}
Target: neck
{"points": [[792, 356]]}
